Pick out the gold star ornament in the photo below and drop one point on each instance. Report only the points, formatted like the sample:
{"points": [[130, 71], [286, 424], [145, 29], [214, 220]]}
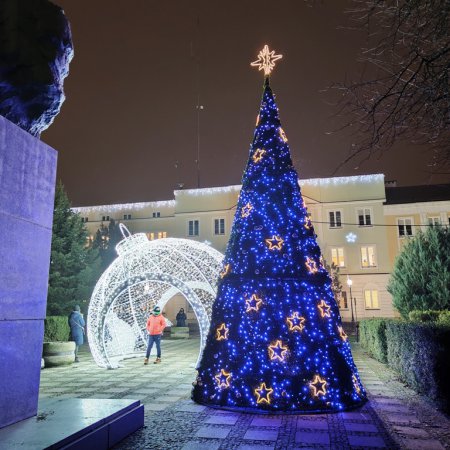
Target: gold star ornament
{"points": [[277, 351], [263, 393], [246, 210], [342, 334], [311, 265], [325, 309], [296, 322], [253, 303], [266, 60], [258, 155], [222, 333], [275, 243], [226, 270], [223, 379], [318, 386]]}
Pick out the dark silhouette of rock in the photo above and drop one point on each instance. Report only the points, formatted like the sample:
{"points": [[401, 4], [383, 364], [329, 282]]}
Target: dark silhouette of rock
{"points": [[35, 52]]}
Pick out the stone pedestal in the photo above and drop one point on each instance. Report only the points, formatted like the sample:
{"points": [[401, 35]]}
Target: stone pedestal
{"points": [[27, 184], [179, 332]]}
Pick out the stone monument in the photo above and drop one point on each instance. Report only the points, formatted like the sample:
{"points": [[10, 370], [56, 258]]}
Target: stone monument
{"points": [[35, 51]]}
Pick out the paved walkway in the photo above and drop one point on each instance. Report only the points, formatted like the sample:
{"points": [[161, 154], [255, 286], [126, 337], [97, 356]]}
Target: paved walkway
{"points": [[395, 417]]}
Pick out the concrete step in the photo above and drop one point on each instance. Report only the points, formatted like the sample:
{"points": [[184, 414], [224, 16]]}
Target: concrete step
{"points": [[75, 424]]}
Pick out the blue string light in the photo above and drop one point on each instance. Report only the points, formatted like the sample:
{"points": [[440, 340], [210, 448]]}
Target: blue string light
{"points": [[276, 342]]}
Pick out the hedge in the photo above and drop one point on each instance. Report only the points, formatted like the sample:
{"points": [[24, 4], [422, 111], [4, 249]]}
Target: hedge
{"points": [[372, 335], [439, 317], [56, 328], [419, 353]]}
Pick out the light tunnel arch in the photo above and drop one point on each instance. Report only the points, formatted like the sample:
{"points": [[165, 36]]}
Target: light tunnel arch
{"points": [[148, 273]]}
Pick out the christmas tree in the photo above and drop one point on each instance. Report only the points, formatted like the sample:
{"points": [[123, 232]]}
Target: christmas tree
{"points": [[276, 342]]}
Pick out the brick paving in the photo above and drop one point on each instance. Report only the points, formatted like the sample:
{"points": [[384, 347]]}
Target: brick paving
{"points": [[394, 418]]}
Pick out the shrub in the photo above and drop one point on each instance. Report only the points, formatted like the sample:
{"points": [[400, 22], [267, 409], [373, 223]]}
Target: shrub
{"points": [[424, 316], [419, 353], [56, 328], [444, 318], [372, 335], [420, 279]]}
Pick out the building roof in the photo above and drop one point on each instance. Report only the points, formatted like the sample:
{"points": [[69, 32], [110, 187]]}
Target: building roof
{"points": [[417, 194]]}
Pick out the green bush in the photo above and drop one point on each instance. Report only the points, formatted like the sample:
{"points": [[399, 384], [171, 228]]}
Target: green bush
{"points": [[418, 352], [424, 316], [56, 328], [444, 318], [372, 336], [420, 279]]}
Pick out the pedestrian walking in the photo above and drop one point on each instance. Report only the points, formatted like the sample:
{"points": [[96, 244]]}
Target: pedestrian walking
{"points": [[77, 324], [155, 326], [181, 318]]}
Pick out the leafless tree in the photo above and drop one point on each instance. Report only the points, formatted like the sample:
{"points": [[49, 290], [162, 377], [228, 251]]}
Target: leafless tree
{"points": [[406, 96]]}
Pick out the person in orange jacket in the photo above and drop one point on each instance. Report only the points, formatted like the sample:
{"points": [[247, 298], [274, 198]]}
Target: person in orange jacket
{"points": [[155, 326]]}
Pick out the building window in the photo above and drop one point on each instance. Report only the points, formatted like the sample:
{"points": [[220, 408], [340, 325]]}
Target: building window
{"points": [[105, 218], [335, 219], [434, 221], [364, 217], [157, 214], [151, 236], [368, 256], [343, 302], [337, 256], [162, 234], [84, 219], [219, 226], [404, 227], [371, 299], [127, 217], [193, 228]]}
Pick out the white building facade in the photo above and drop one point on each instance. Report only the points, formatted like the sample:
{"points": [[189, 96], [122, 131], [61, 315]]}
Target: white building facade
{"points": [[357, 228]]}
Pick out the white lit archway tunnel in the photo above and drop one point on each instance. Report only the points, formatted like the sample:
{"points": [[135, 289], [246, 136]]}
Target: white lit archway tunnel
{"points": [[148, 273]]}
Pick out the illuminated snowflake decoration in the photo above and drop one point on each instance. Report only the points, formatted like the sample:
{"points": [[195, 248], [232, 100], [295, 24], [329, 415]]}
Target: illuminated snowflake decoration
{"points": [[266, 60], [350, 238], [148, 273]]}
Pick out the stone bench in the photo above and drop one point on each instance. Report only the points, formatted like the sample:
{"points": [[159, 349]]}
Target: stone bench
{"points": [[179, 332]]}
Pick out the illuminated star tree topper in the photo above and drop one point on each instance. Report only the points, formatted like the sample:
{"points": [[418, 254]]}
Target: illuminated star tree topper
{"points": [[266, 60]]}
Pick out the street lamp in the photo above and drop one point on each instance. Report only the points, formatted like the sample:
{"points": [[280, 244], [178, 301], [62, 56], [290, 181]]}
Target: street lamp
{"points": [[349, 284]]}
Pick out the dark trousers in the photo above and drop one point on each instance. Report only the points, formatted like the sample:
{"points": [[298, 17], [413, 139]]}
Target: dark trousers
{"points": [[155, 338]]}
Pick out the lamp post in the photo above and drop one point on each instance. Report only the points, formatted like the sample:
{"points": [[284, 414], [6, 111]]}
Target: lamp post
{"points": [[349, 284]]}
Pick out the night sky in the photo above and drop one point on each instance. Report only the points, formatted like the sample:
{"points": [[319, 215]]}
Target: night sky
{"points": [[127, 131]]}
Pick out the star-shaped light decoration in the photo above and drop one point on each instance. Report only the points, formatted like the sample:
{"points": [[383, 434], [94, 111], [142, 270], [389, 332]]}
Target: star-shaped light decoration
{"points": [[277, 351], [226, 270], [275, 243], [318, 386], [350, 238], [253, 303], [223, 379], [246, 210], [342, 334], [263, 393], [311, 265], [222, 333], [325, 309], [356, 384], [296, 322], [266, 60], [258, 155], [283, 135]]}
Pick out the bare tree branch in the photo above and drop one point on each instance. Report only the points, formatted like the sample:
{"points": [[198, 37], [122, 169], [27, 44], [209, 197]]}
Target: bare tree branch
{"points": [[408, 97]]}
